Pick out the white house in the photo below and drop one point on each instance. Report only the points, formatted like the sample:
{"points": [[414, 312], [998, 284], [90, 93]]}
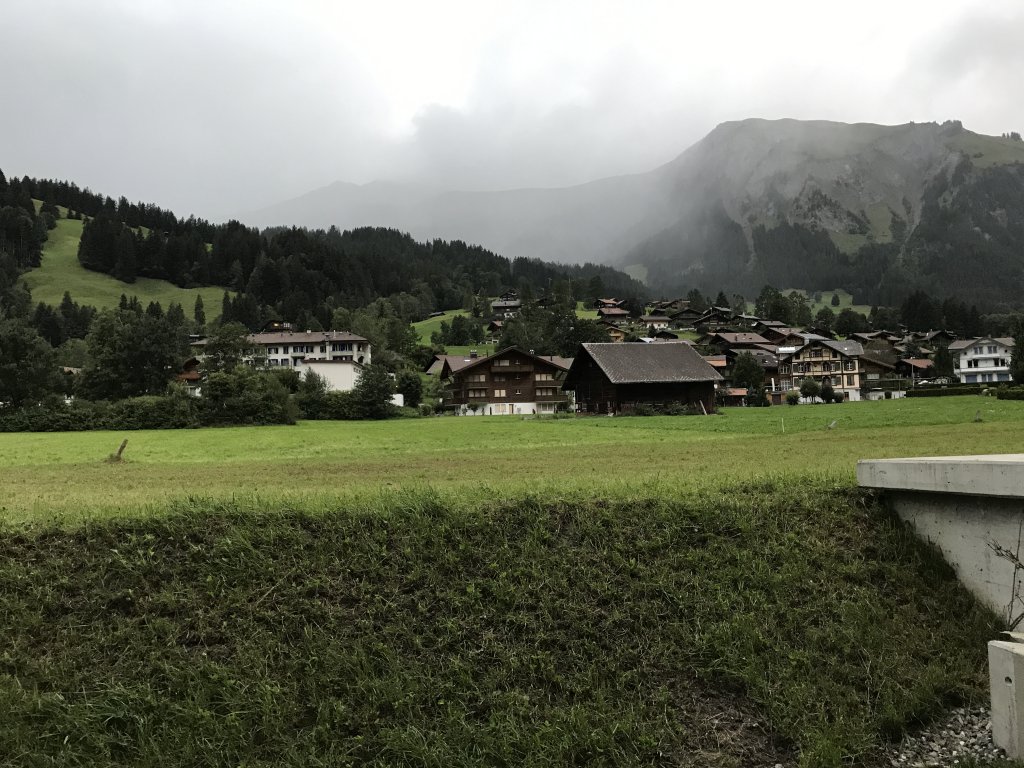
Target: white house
{"points": [[295, 349], [982, 360]]}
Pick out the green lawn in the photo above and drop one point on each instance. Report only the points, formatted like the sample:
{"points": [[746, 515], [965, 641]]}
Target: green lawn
{"points": [[426, 327], [317, 462], [706, 591], [60, 272]]}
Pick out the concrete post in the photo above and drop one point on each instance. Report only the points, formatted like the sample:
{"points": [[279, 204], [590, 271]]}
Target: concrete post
{"points": [[1006, 682]]}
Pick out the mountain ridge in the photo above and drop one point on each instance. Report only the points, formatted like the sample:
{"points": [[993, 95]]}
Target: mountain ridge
{"points": [[718, 213]]}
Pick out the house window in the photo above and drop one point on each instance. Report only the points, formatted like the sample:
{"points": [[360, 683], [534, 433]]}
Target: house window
{"points": [[851, 380], [503, 362], [499, 393], [284, 350], [519, 391], [272, 362], [784, 369], [271, 350], [476, 378], [323, 347], [815, 352], [545, 377], [478, 393], [849, 365], [992, 350], [499, 377], [834, 354], [546, 391]]}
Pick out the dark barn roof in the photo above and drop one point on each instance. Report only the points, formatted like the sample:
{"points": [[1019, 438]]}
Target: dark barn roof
{"points": [[649, 363]]}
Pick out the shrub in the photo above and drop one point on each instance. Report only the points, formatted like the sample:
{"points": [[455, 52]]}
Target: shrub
{"points": [[943, 391], [793, 397], [1016, 393]]}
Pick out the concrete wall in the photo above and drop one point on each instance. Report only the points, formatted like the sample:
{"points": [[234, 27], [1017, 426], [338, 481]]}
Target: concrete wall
{"points": [[966, 506]]}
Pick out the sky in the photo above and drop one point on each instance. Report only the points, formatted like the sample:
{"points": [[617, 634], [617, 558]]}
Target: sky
{"points": [[218, 107]]}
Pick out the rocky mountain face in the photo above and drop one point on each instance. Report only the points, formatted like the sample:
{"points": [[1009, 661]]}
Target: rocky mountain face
{"points": [[877, 210]]}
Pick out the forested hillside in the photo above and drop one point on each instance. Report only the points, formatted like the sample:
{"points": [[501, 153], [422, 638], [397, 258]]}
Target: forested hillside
{"points": [[291, 274]]}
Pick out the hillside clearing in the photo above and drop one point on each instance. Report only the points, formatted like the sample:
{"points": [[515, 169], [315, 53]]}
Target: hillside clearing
{"points": [[60, 271]]}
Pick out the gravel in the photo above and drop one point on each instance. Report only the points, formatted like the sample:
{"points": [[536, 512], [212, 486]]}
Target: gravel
{"points": [[964, 733]]}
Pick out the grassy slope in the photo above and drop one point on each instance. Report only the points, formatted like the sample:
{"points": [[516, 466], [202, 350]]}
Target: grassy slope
{"points": [[845, 301], [691, 629], [986, 151], [60, 271], [319, 461], [426, 327]]}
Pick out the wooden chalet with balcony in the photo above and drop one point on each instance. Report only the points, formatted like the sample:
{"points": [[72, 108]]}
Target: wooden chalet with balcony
{"points": [[837, 363], [508, 382], [616, 378]]}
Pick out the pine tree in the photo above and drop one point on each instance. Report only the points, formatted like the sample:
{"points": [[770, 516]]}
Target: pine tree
{"points": [[199, 313]]}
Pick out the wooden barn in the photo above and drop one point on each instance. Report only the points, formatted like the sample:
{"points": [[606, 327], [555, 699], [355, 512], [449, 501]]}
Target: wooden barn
{"points": [[615, 378]]}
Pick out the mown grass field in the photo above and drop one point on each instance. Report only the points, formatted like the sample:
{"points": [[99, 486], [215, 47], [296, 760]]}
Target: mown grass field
{"points": [[60, 271], [46, 474], [845, 301], [699, 591], [426, 327]]}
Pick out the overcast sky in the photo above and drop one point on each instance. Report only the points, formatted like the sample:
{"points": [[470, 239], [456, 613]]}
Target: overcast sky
{"points": [[217, 107]]}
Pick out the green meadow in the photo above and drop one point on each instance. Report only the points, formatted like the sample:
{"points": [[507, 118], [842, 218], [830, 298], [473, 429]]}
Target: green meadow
{"points": [[666, 591], [65, 474], [60, 271]]}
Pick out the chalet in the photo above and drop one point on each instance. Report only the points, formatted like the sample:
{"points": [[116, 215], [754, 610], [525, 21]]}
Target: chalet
{"points": [[454, 362], [657, 322], [915, 368], [876, 371], [982, 360], [190, 376], [685, 318], [715, 317], [670, 306], [609, 303], [763, 325], [508, 382], [723, 340], [836, 363], [506, 306], [615, 378], [778, 334], [937, 338], [495, 327], [615, 333], [613, 314]]}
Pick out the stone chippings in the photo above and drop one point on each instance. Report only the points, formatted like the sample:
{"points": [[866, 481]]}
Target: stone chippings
{"points": [[966, 733]]}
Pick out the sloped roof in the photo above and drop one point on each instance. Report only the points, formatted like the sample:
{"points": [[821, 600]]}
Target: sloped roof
{"points": [[298, 337], [463, 363], [1006, 341], [669, 362], [848, 348]]}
